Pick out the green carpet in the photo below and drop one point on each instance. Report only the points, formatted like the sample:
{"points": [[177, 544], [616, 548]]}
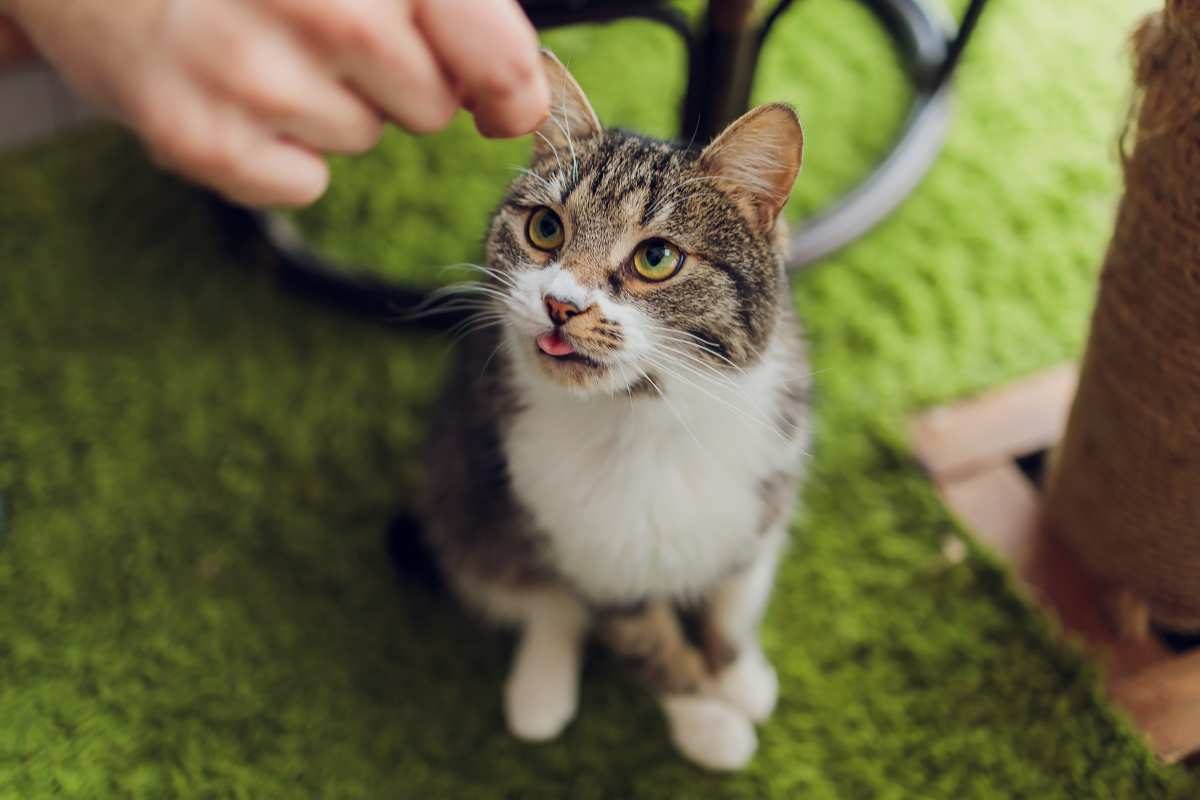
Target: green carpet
{"points": [[195, 470]]}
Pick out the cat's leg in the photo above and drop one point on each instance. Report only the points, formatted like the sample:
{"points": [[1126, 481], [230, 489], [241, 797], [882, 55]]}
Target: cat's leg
{"points": [[541, 693], [706, 729], [731, 617]]}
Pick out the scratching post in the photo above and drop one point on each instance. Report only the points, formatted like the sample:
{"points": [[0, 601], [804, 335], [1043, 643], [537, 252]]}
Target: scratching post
{"points": [[1124, 490], [1115, 538]]}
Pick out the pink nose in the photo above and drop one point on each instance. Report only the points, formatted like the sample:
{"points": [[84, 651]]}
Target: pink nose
{"points": [[560, 310]]}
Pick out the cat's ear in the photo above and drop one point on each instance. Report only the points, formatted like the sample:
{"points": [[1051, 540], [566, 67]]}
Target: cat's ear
{"points": [[571, 119], [756, 160]]}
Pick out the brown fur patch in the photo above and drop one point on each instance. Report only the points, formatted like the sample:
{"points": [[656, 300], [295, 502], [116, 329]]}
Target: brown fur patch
{"points": [[612, 190], [474, 522], [630, 189], [651, 641], [718, 651]]}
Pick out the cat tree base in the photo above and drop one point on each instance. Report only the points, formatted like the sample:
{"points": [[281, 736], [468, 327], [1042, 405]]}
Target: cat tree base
{"points": [[984, 455]]}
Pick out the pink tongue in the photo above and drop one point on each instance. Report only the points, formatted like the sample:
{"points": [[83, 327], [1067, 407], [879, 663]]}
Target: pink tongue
{"points": [[554, 345]]}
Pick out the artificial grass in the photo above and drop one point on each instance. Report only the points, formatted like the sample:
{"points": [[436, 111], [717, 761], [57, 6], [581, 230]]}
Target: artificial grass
{"points": [[196, 471]]}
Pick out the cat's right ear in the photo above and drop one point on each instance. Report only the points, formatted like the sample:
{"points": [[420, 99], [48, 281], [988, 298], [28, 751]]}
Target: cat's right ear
{"points": [[571, 117], [756, 160]]}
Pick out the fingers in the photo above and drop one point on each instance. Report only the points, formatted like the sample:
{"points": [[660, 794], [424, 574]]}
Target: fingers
{"points": [[280, 82], [242, 159], [397, 72], [244, 95], [279, 173], [489, 50], [374, 44], [300, 99]]}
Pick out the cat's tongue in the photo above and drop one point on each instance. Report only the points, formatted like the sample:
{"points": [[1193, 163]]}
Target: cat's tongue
{"points": [[554, 345]]}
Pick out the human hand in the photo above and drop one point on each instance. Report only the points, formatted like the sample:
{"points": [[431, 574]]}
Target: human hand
{"points": [[245, 95], [14, 47]]}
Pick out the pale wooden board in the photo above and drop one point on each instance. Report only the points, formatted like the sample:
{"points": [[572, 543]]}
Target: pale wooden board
{"points": [[1023, 417], [1000, 507], [969, 449], [1164, 702]]}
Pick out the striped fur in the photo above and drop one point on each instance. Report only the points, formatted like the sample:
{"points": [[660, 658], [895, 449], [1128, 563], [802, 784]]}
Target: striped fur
{"points": [[654, 467]]}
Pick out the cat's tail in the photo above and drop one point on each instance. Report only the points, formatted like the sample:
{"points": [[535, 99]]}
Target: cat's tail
{"points": [[410, 553]]}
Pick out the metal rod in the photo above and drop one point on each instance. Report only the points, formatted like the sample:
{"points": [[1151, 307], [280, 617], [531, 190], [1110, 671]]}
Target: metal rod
{"points": [[959, 43], [773, 17], [892, 181], [663, 13]]}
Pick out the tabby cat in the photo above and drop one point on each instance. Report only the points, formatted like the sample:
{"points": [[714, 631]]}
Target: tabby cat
{"points": [[619, 443]]}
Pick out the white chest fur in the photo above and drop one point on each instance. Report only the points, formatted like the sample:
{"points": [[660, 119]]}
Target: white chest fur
{"points": [[650, 497]]}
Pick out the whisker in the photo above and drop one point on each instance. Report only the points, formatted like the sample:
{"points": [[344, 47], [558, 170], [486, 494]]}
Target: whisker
{"points": [[673, 335], [752, 415], [475, 329], [702, 368], [764, 423], [705, 370], [495, 350], [567, 135], [465, 287], [545, 184], [565, 127], [467, 323], [434, 308], [671, 407], [628, 385], [475, 293], [695, 341], [553, 149], [502, 277]]}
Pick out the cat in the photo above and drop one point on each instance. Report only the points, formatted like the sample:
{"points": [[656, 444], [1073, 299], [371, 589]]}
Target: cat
{"points": [[622, 432]]}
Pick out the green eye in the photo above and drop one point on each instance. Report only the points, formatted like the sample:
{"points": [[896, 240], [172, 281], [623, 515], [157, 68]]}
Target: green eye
{"points": [[657, 260], [545, 230]]}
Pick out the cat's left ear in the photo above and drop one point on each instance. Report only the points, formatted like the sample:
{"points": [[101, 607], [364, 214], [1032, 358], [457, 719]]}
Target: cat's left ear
{"points": [[756, 160], [571, 119]]}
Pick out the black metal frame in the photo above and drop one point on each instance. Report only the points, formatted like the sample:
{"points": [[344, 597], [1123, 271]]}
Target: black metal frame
{"points": [[722, 59]]}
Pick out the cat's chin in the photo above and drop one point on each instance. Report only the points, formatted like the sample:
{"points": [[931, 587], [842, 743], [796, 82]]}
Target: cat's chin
{"points": [[575, 372]]}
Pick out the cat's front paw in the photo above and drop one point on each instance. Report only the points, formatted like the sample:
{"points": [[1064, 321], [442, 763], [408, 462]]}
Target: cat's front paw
{"points": [[537, 706], [709, 731], [749, 684]]}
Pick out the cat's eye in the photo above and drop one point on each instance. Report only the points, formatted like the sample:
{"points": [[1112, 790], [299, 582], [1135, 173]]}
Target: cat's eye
{"points": [[657, 259], [545, 229]]}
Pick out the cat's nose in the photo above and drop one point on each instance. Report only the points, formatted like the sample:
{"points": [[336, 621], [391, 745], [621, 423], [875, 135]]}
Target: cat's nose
{"points": [[560, 310]]}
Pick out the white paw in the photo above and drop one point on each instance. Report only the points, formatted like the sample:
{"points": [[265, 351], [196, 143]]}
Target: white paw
{"points": [[538, 711], [750, 684], [710, 732], [541, 695]]}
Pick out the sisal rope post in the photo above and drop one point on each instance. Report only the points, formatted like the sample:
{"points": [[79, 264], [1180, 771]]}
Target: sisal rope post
{"points": [[1124, 489]]}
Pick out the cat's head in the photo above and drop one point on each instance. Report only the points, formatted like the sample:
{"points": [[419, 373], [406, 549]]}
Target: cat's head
{"points": [[620, 258]]}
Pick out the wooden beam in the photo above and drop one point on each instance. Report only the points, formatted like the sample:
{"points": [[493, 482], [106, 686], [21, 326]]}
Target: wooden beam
{"points": [[1023, 417], [969, 449]]}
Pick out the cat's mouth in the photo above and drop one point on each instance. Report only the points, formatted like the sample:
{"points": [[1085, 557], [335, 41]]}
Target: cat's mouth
{"points": [[553, 345]]}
